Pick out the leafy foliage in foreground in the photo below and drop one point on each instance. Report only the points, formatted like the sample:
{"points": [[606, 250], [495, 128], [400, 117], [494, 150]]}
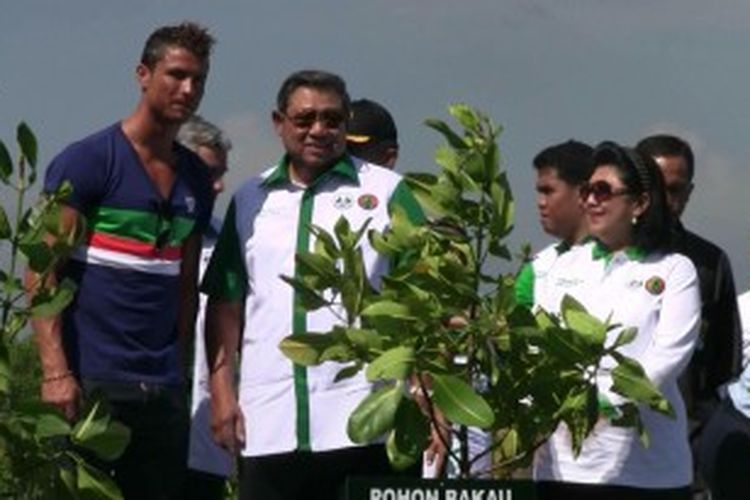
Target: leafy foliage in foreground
{"points": [[445, 322], [42, 455]]}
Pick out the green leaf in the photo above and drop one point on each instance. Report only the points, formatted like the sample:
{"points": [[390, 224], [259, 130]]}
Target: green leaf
{"points": [[625, 336], [306, 348], [69, 487], [367, 339], [577, 318], [307, 297], [453, 139], [325, 244], [630, 380], [317, 271], [374, 416], [343, 232], [465, 115], [5, 230], [52, 302], [390, 309], [411, 429], [339, 352], [579, 410], [4, 367], [109, 444], [6, 164], [27, 143], [39, 255], [570, 346], [347, 372], [394, 364], [93, 483], [398, 459], [52, 424], [510, 444], [460, 403], [93, 424]]}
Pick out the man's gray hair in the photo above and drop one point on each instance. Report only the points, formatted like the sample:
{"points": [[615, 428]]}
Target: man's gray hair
{"points": [[198, 132]]}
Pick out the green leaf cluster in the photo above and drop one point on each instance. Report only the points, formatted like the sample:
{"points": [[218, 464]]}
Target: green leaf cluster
{"points": [[41, 453], [444, 337]]}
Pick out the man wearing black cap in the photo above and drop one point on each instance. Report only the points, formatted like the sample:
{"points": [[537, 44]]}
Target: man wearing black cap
{"points": [[372, 133]]}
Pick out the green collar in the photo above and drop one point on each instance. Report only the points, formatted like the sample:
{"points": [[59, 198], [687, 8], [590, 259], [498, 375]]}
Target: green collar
{"points": [[600, 251], [562, 247], [343, 168]]}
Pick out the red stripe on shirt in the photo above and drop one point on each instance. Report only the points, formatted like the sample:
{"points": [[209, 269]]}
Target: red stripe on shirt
{"points": [[133, 247]]}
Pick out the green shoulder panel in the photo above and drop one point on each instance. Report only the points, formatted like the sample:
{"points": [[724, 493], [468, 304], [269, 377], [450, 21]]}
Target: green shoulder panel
{"points": [[524, 287], [403, 197], [226, 277]]}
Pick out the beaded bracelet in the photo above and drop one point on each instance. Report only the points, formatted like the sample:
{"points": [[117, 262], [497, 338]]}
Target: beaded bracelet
{"points": [[59, 376]]}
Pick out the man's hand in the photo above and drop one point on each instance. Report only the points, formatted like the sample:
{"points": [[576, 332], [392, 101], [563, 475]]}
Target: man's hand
{"points": [[64, 393], [227, 423]]}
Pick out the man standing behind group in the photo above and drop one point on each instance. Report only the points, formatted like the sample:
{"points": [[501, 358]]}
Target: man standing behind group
{"points": [[144, 201], [290, 421], [561, 171], [208, 465], [717, 358], [371, 134]]}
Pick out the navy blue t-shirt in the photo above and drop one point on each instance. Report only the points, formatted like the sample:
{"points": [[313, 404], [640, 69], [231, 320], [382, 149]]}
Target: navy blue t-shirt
{"points": [[122, 323]]}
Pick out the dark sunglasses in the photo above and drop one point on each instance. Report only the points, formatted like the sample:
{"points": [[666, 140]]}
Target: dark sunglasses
{"points": [[306, 119], [601, 191]]}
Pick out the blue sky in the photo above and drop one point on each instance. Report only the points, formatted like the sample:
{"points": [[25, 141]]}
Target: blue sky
{"points": [[547, 70]]}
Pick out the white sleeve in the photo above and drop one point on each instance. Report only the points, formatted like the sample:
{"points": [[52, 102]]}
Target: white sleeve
{"points": [[677, 326]]}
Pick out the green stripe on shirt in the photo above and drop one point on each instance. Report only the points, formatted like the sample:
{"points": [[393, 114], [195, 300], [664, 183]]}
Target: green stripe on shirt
{"points": [[138, 224]]}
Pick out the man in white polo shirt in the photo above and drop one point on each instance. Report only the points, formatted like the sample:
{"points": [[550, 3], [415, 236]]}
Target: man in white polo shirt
{"points": [[289, 422], [561, 170]]}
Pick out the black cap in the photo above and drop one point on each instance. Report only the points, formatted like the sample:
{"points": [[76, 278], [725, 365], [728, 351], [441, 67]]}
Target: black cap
{"points": [[370, 122]]}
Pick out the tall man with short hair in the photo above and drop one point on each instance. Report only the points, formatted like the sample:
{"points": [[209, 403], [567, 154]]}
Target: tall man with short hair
{"points": [[290, 422], [209, 466], [561, 171], [144, 201], [718, 355]]}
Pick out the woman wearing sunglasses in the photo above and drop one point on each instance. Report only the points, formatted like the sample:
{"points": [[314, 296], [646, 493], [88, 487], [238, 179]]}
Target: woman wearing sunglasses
{"points": [[626, 272]]}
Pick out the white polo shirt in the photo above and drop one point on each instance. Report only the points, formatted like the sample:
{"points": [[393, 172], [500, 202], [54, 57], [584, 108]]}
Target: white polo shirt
{"points": [[289, 407], [659, 295]]}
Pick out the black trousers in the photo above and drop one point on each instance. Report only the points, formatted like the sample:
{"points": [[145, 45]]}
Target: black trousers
{"points": [[309, 476], [724, 452], [552, 490], [154, 463]]}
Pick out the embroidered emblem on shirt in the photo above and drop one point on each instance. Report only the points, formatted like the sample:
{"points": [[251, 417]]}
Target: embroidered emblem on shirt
{"points": [[635, 283], [190, 202], [655, 285], [368, 201], [342, 202]]}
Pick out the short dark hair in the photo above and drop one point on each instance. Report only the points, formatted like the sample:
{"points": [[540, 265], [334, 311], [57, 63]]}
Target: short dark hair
{"points": [[571, 159], [668, 145], [640, 174], [317, 79], [187, 35]]}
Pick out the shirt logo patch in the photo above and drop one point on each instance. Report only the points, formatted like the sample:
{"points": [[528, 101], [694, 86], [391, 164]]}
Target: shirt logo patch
{"points": [[190, 202], [343, 202], [655, 285], [368, 201]]}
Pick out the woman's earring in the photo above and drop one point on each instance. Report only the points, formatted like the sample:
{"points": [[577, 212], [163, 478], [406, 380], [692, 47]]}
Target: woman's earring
{"points": [[634, 220]]}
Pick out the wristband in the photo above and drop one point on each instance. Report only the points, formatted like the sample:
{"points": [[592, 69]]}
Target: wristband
{"points": [[59, 376]]}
